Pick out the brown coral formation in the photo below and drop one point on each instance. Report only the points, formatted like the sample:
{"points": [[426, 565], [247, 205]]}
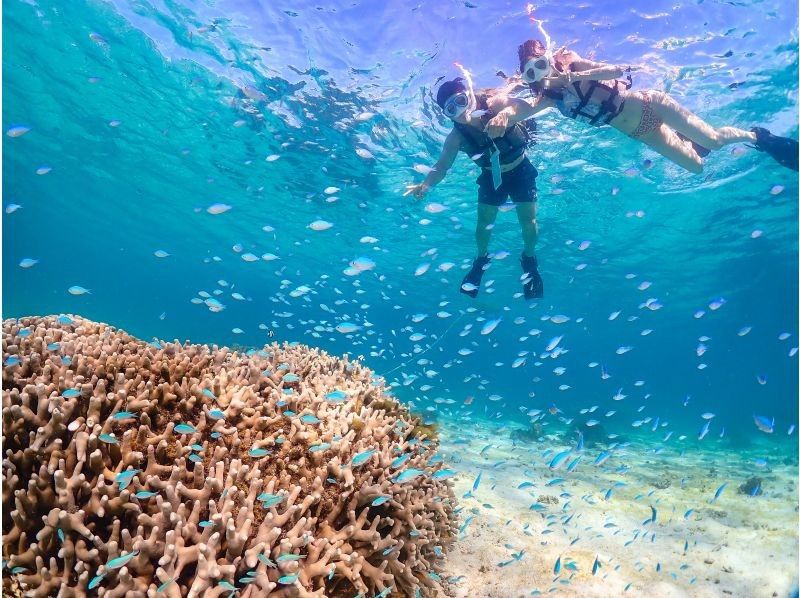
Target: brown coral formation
{"points": [[135, 469]]}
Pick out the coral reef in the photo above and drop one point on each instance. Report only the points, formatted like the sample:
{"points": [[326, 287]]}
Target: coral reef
{"points": [[134, 468], [661, 483], [752, 487], [532, 434], [547, 499]]}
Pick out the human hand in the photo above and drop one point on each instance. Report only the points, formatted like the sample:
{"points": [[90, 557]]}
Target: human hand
{"points": [[418, 191], [497, 126]]}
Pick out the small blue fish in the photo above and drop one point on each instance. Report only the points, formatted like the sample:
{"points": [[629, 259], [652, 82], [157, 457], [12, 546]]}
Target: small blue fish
{"points": [[61, 535], [17, 130], [12, 361], [208, 392], [362, 457], [308, 418], [145, 494], [764, 424], [227, 586], [23, 333], [53, 346], [196, 447], [123, 415], [259, 452], [559, 459], [288, 580], [266, 560], [216, 414], [336, 396], [596, 565], [66, 320], [408, 475], [703, 430], [270, 500], [688, 513], [185, 429], [379, 501], [323, 446], [205, 524], [557, 566], [289, 557], [602, 458], [71, 393], [477, 482], [443, 474], [195, 458], [215, 435], [121, 561], [554, 481], [109, 438], [291, 378], [126, 476], [289, 413], [95, 581], [164, 585], [719, 492], [398, 461]]}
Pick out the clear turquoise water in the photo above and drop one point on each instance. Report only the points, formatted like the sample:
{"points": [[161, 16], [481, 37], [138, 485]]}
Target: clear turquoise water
{"points": [[205, 92]]}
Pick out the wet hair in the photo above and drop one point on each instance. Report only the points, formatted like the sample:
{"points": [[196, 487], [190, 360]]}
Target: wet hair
{"points": [[449, 88], [532, 48]]}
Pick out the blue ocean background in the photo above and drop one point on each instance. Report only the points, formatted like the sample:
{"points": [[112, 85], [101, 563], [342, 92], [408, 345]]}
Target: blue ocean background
{"points": [[147, 113]]}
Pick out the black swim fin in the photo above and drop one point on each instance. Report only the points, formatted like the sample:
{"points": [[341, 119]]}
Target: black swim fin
{"points": [[701, 151], [783, 149], [532, 283], [472, 281]]}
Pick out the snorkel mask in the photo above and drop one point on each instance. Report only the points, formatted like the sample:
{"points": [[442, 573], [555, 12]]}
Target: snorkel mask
{"points": [[456, 105], [537, 68]]}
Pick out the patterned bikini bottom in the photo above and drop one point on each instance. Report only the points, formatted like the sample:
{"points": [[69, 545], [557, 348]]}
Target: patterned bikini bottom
{"points": [[649, 122]]}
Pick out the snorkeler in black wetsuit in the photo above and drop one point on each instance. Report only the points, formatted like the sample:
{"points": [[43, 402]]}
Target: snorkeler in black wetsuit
{"points": [[489, 129]]}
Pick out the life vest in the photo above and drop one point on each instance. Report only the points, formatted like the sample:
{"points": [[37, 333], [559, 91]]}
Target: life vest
{"points": [[573, 103], [478, 145]]}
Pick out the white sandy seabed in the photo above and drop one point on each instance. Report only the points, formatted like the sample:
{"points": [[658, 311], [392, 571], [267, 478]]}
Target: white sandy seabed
{"points": [[739, 545]]}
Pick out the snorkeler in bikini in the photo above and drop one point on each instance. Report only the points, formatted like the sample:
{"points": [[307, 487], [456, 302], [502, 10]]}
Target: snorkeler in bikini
{"points": [[488, 128], [594, 93]]}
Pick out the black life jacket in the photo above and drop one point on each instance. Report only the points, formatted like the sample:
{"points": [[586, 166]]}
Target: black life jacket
{"points": [[575, 104], [478, 145]]}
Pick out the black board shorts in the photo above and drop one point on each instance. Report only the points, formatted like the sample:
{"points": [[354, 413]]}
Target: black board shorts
{"points": [[518, 183]]}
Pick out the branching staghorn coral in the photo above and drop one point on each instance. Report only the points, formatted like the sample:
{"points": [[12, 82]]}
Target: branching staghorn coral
{"points": [[136, 469]]}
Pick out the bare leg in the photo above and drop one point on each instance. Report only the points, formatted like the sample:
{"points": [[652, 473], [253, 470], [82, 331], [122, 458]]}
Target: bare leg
{"points": [[526, 214], [667, 143], [692, 126], [483, 231]]}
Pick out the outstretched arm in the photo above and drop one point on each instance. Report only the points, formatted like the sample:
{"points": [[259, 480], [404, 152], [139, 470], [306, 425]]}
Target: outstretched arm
{"points": [[511, 111], [582, 69], [449, 152]]}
